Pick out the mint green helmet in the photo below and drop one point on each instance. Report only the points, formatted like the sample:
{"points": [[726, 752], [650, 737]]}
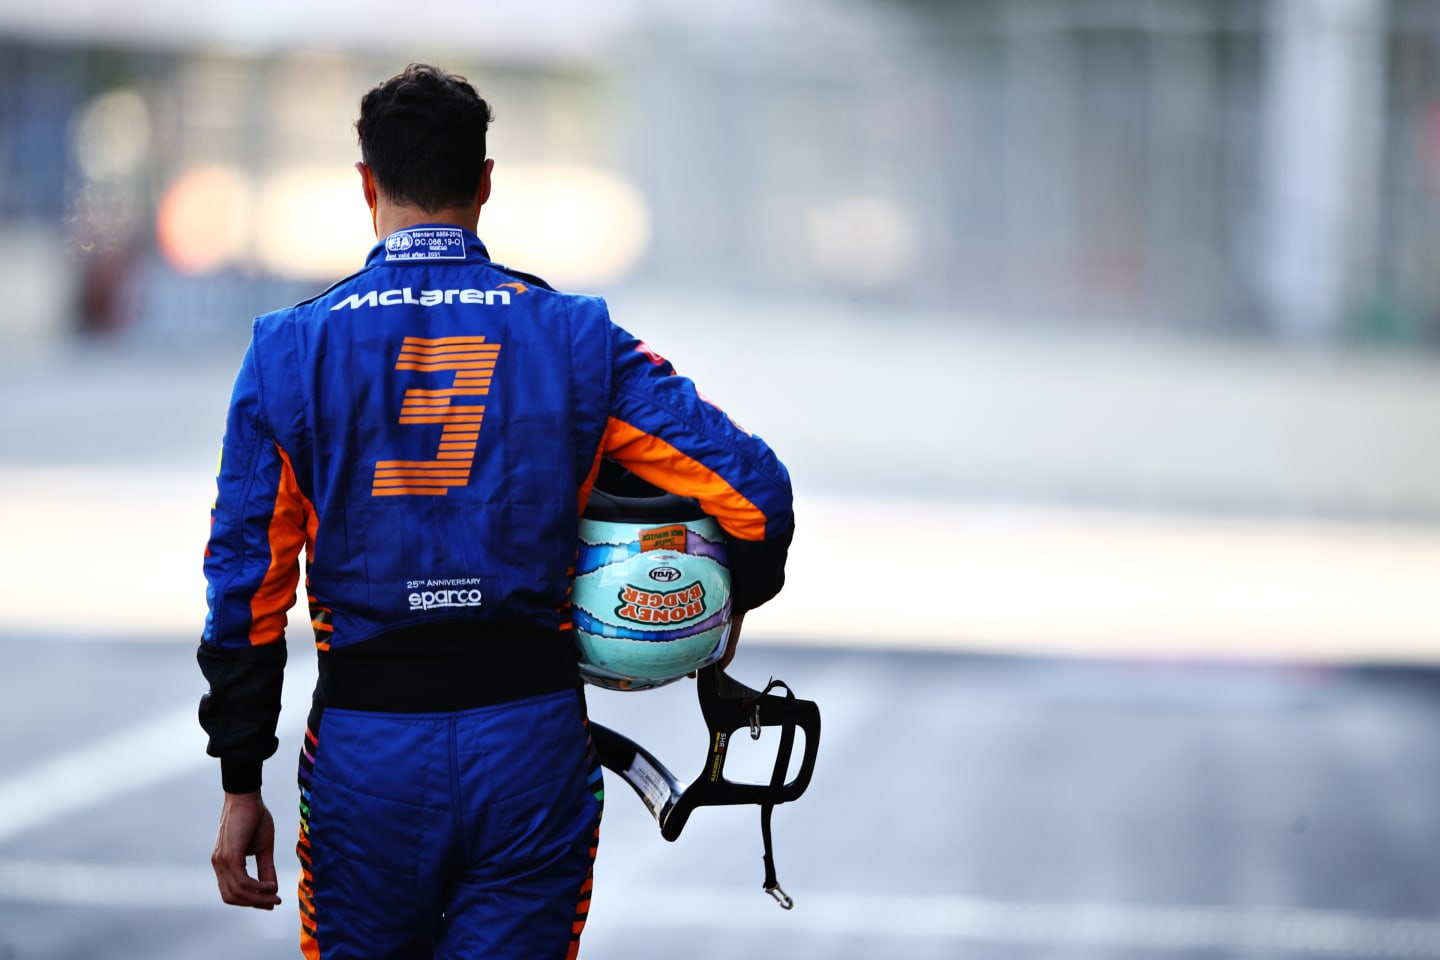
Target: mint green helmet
{"points": [[651, 597]]}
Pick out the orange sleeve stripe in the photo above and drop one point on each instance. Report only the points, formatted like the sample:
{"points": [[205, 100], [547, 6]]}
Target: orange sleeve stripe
{"points": [[652, 459], [292, 527]]}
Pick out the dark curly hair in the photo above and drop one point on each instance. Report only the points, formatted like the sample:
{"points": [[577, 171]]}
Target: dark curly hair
{"points": [[422, 134]]}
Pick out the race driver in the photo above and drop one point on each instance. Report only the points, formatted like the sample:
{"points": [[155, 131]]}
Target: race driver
{"points": [[427, 431]]}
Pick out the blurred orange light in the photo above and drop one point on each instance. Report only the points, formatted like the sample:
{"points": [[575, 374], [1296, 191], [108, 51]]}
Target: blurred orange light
{"points": [[203, 220]]}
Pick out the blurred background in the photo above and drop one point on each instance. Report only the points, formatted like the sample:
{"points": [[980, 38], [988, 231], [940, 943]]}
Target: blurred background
{"points": [[1102, 339], [1219, 167]]}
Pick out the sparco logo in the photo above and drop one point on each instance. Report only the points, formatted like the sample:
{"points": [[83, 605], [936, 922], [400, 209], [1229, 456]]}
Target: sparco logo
{"points": [[433, 599], [665, 574]]}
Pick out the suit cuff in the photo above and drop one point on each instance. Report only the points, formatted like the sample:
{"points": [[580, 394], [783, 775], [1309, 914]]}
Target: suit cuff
{"points": [[239, 776]]}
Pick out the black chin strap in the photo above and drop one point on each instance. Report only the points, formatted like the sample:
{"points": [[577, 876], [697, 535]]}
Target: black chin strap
{"points": [[727, 706], [777, 780]]}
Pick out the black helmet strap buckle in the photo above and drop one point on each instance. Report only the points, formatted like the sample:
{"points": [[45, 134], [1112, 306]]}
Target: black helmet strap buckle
{"points": [[727, 706]]}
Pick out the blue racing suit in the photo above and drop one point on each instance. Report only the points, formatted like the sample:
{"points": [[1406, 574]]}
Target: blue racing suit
{"points": [[428, 431]]}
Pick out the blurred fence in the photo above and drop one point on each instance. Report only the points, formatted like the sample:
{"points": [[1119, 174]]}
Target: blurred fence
{"points": [[1225, 166]]}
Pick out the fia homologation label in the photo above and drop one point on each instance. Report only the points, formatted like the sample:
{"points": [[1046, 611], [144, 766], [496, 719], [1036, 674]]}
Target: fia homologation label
{"points": [[426, 243]]}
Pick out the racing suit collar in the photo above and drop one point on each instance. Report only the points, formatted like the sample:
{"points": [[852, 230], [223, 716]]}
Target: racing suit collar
{"points": [[443, 241]]}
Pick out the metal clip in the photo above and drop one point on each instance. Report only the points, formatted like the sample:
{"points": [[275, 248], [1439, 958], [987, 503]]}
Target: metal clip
{"points": [[781, 897], [755, 721]]}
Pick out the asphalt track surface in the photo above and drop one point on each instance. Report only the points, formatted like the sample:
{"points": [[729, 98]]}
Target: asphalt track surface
{"points": [[1006, 805], [963, 806]]}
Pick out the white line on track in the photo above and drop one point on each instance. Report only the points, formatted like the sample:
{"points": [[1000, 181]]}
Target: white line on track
{"points": [[167, 746], [73, 884], [1242, 930], [156, 750], [1254, 931]]}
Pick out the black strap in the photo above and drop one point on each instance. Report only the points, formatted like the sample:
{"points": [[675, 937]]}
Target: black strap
{"points": [[777, 780], [728, 706]]}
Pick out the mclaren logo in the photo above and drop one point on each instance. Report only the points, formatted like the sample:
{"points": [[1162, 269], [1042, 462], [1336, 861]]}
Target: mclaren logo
{"points": [[432, 298]]}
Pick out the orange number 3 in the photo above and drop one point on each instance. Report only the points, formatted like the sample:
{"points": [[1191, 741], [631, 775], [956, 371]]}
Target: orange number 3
{"points": [[473, 362]]}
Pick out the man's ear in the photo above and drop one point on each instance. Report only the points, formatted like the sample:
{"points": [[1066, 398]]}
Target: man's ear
{"points": [[367, 183], [367, 187], [485, 182]]}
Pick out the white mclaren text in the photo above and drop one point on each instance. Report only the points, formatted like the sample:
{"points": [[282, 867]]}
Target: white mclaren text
{"points": [[427, 298]]}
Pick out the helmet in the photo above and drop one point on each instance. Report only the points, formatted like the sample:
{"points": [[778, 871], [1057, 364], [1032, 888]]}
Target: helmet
{"points": [[651, 599]]}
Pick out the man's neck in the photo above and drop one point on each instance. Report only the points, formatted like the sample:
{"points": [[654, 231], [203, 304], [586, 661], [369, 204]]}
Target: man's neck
{"points": [[390, 217]]}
